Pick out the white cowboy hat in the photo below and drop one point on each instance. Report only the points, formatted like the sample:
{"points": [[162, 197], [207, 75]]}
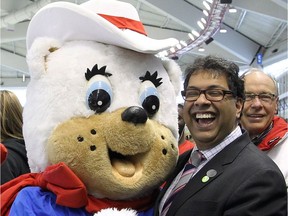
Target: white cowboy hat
{"points": [[106, 21]]}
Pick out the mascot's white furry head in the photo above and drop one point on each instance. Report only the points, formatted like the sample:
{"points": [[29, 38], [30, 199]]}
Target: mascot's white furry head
{"points": [[99, 100]]}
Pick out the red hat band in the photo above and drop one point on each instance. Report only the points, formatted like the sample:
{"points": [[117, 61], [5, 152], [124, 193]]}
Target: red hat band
{"points": [[125, 23]]}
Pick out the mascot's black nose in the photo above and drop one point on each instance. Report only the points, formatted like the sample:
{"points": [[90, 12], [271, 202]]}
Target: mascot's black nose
{"points": [[134, 115]]}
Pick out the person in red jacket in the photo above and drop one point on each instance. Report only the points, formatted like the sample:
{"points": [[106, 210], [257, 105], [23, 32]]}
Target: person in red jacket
{"points": [[267, 130]]}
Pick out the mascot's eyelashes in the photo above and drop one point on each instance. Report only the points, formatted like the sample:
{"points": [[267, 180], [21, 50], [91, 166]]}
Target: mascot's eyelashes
{"points": [[152, 77], [95, 71]]}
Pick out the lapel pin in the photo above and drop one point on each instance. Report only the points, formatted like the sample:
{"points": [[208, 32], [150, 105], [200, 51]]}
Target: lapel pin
{"points": [[211, 173], [205, 179]]}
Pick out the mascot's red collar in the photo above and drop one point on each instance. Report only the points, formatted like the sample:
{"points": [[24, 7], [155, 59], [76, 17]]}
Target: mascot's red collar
{"points": [[68, 188]]}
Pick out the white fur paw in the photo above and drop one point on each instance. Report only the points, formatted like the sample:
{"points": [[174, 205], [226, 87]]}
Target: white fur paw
{"points": [[116, 212]]}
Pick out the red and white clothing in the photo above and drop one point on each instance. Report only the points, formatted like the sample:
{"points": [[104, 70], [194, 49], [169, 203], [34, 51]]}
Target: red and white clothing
{"points": [[275, 143]]}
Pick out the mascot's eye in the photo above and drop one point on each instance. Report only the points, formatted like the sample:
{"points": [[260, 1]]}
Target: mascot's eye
{"points": [[149, 98], [99, 94]]}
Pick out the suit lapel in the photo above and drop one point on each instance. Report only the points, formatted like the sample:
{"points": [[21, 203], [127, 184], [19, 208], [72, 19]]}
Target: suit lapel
{"points": [[194, 185], [217, 164]]}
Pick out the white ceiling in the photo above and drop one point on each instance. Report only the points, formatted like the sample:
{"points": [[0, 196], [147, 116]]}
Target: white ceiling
{"points": [[258, 26]]}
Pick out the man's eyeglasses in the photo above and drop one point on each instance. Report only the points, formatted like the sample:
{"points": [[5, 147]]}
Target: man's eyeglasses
{"points": [[264, 97], [213, 95]]}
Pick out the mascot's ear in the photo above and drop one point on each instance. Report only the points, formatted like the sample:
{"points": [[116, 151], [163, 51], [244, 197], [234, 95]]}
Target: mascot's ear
{"points": [[174, 73], [38, 53]]}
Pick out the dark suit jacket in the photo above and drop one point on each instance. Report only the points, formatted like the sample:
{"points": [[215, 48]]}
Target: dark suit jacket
{"points": [[247, 183]]}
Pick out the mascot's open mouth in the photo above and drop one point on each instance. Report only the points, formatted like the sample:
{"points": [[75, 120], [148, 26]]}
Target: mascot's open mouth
{"points": [[124, 165]]}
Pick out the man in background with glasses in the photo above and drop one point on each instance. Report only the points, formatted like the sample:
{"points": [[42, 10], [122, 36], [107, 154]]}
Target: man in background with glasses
{"points": [[225, 173], [268, 131]]}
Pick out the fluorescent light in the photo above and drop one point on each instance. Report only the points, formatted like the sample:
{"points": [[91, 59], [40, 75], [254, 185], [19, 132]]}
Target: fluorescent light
{"points": [[178, 46], [205, 12], [223, 30], [207, 6], [183, 43], [191, 36], [232, 10], [203, 20], [200, 24], [195, 33], [201, 49], [172, 49]]}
